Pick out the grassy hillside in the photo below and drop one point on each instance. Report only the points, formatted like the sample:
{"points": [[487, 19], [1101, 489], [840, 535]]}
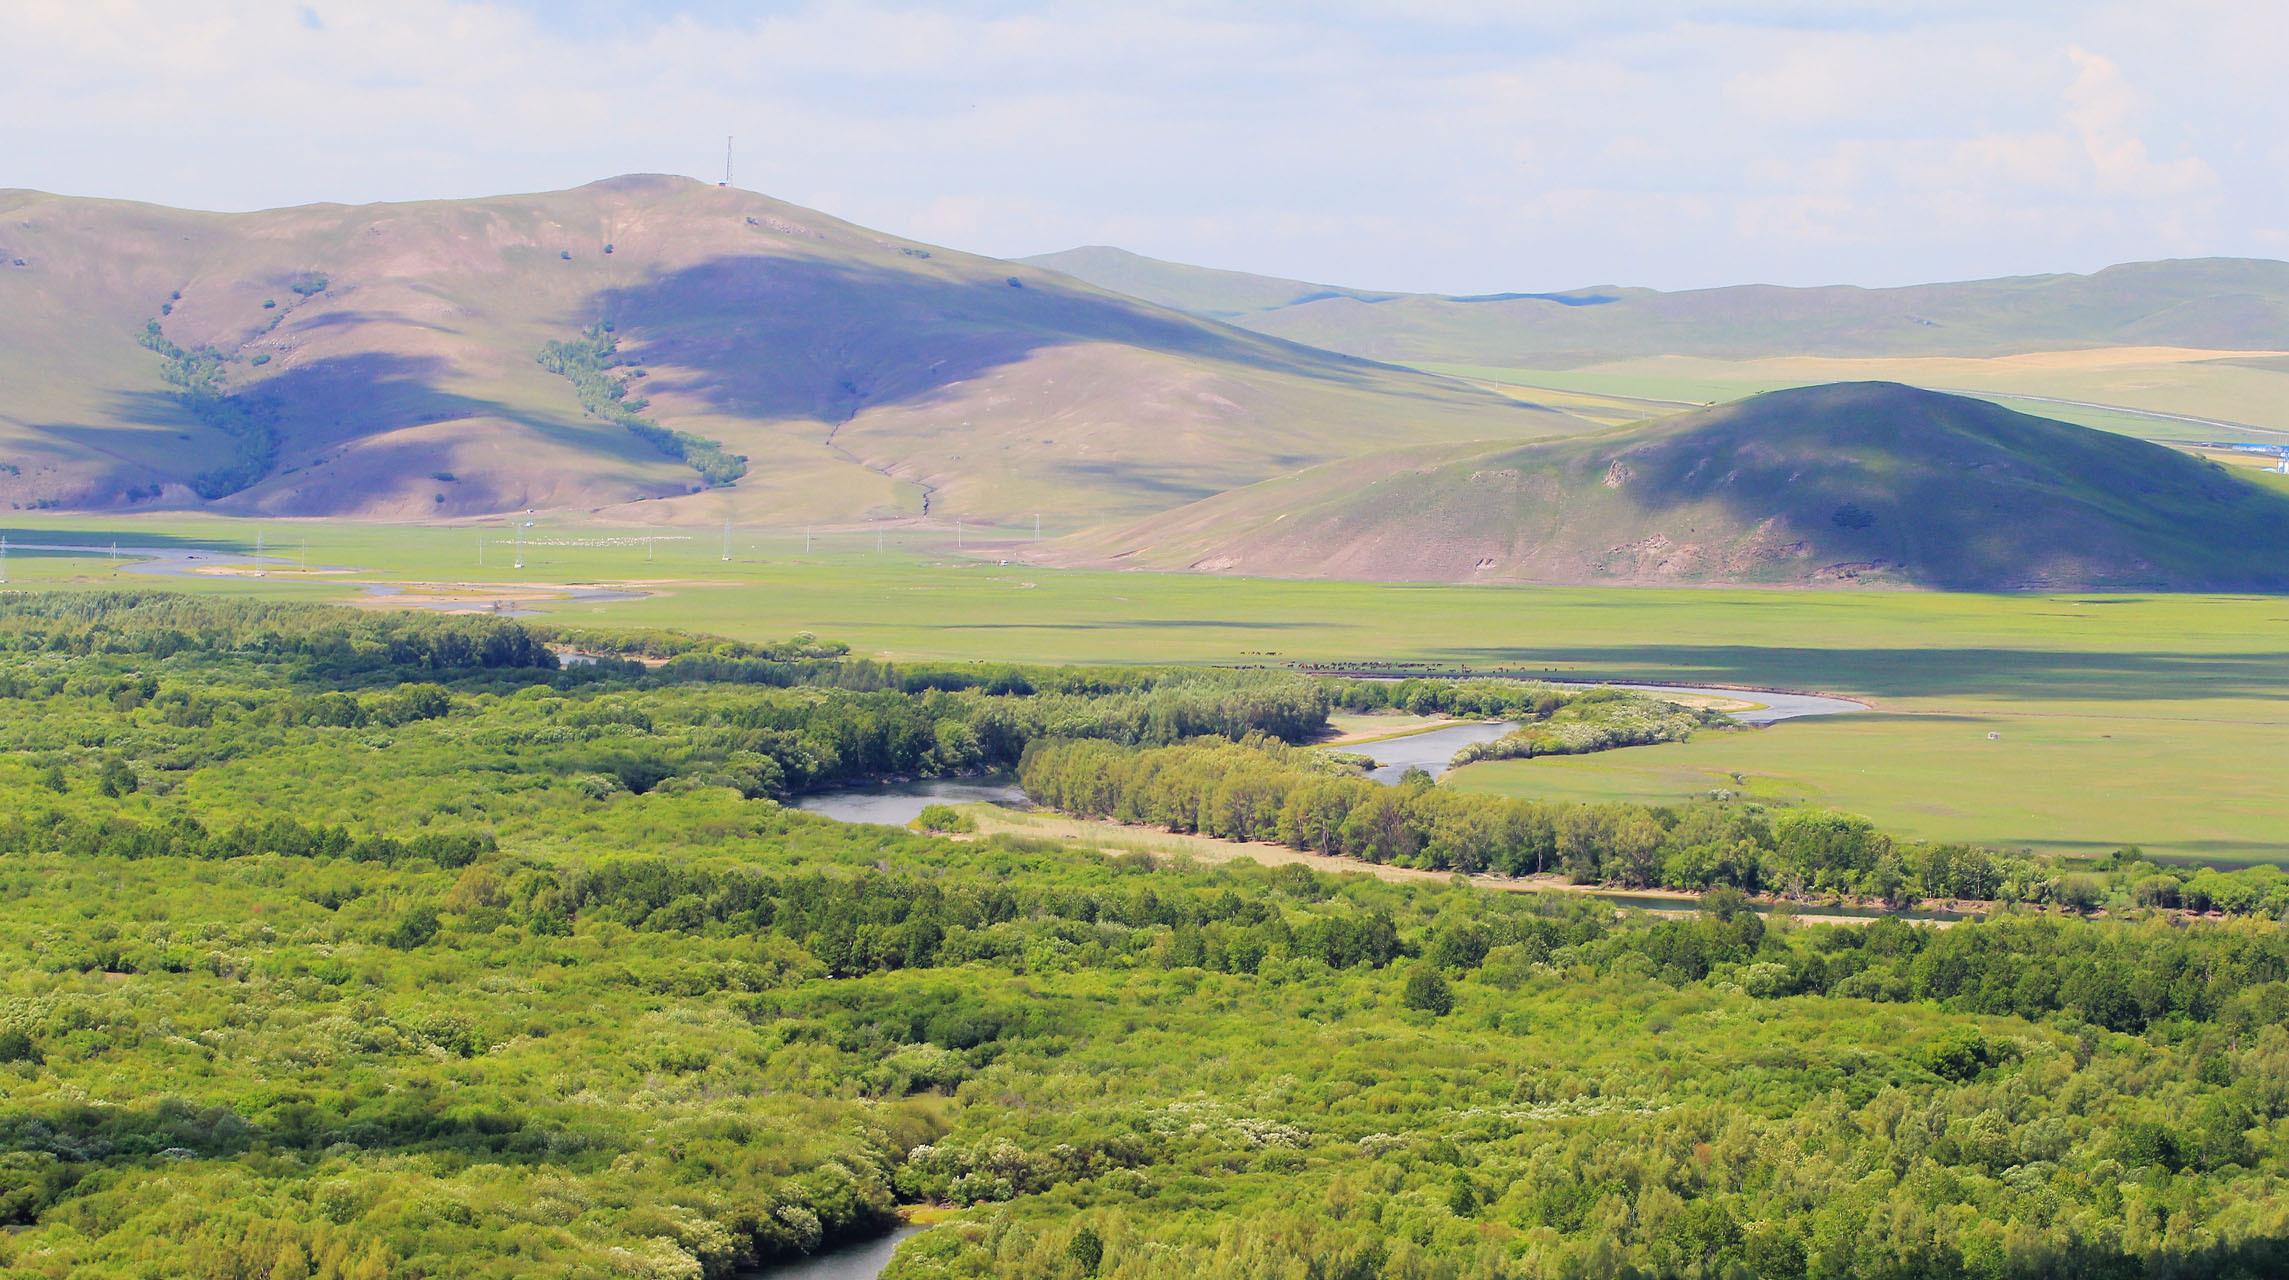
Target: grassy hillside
{"points": [[2217, 303], [1206, 291], [380, 361], [1854, 483]]}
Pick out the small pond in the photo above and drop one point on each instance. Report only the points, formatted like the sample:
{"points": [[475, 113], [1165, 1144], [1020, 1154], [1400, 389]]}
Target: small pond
{"points": [[894, 804], [862, 1261]]}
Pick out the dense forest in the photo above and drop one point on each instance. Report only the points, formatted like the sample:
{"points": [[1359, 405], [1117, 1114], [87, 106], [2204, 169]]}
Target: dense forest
{"points": [[359, 945]]}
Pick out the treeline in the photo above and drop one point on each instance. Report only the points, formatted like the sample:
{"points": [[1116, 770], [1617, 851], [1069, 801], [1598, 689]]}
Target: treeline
{"points": [[328, 645], [197, 376], [777, 742], [1471, 699], [134, 691], [328, 642], [1594, 720], [1258, 790], [667, 642], [588, 361], [1558, 721], [182, 836]]}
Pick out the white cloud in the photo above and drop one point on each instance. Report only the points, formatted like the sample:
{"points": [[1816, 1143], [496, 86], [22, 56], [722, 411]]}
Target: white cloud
{"points": [[1473, 146], [2104, 109]]}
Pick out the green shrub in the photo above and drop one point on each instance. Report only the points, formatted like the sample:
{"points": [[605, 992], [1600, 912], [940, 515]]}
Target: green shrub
{"points": [[944, 818], [1428, 992]]}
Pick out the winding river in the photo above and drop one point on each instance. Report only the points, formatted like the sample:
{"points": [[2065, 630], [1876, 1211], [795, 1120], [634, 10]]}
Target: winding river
{"points": [[898, 803], [1429, 751], [1432, 750]]}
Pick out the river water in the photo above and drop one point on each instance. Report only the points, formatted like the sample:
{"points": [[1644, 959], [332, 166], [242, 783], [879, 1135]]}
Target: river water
{"points": [[1431, 751], [1428, 752], [862, 1261], [898, 803], [1772, 708], [158, 562]]}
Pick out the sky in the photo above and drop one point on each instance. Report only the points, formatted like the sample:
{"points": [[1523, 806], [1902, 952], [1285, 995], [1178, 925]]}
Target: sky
{"points": [[1442, 145]]}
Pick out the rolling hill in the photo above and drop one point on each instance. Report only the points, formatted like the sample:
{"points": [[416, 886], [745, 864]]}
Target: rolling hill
{"points": [[1856, 483], [382, 361], [2210, 303], [1203, 291]]}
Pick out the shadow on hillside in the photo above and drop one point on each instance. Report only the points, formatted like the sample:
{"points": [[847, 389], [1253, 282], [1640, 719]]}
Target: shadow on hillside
{"points": [[776, 337], [2020, 673], [1963, 495], [346, 397], [341, 400], [351, 319]]}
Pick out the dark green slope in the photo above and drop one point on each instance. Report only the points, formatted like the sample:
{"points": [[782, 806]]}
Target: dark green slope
{"points": [[1850, 483]]}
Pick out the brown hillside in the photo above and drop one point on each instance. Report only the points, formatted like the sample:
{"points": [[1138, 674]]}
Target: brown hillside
{"points": [[860, 374], [1858, 483]]}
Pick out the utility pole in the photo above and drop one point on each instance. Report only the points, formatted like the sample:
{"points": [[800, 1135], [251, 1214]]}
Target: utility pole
{"points": [[957, 535], [305, 553], [727, 542], [1037, 526], [647, 551], [806, 539], [726, 160], [520, 539], [480, 548]]}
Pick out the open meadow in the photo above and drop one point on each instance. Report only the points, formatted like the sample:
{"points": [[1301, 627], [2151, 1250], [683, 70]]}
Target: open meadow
{"points": [[2123, 719]]}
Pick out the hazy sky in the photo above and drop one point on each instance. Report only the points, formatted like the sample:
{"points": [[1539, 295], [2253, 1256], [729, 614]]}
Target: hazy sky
{"points": [[1442, 144]]}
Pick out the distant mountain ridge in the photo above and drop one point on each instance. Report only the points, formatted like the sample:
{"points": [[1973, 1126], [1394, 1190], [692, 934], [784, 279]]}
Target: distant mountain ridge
{"points": [[1848, 484], [2213, 303], [383, 361]]}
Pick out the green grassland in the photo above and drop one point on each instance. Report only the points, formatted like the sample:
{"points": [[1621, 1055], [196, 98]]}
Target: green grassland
{"points": [[2146, 719], [2079, 777]]}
